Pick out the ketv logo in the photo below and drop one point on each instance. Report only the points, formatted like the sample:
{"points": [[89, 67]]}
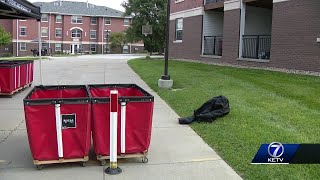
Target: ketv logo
{"points": [[275, 150], [275, 153]]}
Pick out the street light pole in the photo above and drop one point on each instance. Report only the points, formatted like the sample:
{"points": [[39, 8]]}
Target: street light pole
{"points": [[165, 81]]}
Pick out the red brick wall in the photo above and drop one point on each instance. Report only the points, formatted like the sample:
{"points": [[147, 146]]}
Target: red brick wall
{"points": [[295, 27], [185, 5], [190, 47], [231, 35]]}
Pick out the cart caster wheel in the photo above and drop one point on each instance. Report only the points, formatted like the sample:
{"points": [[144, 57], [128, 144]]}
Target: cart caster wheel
{"points": [[39, 167], [84, 164], [103, 162], [145, 160]]}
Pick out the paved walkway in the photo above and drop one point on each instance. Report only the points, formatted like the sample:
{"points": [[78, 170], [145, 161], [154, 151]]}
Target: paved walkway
{"points": [[176, 151]]}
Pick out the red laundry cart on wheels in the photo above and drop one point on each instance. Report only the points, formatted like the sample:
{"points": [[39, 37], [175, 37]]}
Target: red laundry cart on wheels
{"points": [[15, 76], [134, 121], [58, 120]]}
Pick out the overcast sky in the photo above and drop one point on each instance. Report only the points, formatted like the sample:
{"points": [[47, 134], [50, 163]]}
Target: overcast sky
{"points": [[115, 4]]}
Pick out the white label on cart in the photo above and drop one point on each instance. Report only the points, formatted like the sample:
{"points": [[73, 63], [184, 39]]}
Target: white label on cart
{"points": [[69, 121]]}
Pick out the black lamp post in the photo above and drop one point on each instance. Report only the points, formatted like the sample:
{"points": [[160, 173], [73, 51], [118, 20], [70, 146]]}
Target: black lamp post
{"points": [[166, 75], [166, 82]]}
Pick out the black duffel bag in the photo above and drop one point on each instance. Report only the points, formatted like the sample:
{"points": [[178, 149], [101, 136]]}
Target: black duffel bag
{"points": [[209, 111]]}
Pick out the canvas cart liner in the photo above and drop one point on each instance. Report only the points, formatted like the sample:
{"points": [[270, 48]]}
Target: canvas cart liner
{"points": [[15, 76], [134, 119], [127, 92], [58, 123]]}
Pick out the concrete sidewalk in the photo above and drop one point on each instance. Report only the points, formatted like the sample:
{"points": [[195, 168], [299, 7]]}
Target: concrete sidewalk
{"points": [[176, 151]]}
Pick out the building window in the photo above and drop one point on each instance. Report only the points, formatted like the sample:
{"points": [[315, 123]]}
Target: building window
{"points": [[126, 49], [108, 21], [92, 47], [126, 22], [58, 19], [93, 34], [23, 46], [44, 32], [44, 45], [76, 19], [107, 34], [44, 18], [57, 47], [76, 33], [179, 29], [58, 32], [93, 20], [23, 31]]}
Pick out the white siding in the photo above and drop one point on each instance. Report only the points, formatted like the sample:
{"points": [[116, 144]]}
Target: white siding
{"points": [[258, 21], [213, 23]]}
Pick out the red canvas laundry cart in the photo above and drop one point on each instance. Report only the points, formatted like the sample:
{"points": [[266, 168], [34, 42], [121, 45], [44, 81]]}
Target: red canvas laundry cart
{"points": [[58, 120], [134, 121], [15, 76]]}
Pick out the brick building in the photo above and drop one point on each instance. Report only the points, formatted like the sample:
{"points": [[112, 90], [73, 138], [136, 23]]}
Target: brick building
{"points": [[267, 33], [68, 27]]}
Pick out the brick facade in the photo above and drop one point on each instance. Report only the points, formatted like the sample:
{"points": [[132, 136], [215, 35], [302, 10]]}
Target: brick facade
{"points": [[12, 26], [190, 47], [296, 25], [185, 5], [295, 28]]}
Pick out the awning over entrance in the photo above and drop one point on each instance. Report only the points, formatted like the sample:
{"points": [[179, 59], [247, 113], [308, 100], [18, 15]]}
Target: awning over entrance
{"points": [[18, 9]]}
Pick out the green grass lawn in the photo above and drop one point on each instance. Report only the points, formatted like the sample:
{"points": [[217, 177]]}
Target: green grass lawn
{"points": [[265, 107]]}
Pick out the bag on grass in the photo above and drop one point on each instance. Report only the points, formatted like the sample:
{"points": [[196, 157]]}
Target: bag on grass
{"points": [[209, 111]]}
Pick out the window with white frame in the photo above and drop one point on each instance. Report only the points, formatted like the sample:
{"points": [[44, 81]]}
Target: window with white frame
{"points": [[93, 34], [125, 49], [76, 33], [76, 19], [58, 47], [126, 22], [58, 33], [44, 18], [92, 47], [58, 19], [44, 45], [44, 32], [107, 34], [23, 31], [93, 20], [179, 29], [108, 20], [23, 46]]}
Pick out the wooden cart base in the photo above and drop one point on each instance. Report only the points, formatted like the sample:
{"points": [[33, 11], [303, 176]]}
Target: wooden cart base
{"points": [[40, 164], [15, 91], [143, 157]]}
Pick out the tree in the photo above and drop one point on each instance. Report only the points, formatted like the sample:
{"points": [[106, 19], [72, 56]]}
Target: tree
{"points": [[118, 40], [152, 12], [5, 37]]}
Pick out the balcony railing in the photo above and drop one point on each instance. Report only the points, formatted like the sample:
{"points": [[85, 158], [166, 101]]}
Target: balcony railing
{"points": [[256, 46], [213, 45], [213, 1]]}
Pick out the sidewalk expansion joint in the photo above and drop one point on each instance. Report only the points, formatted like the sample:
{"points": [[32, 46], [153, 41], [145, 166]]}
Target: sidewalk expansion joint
{"points": [[11, 132]]}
